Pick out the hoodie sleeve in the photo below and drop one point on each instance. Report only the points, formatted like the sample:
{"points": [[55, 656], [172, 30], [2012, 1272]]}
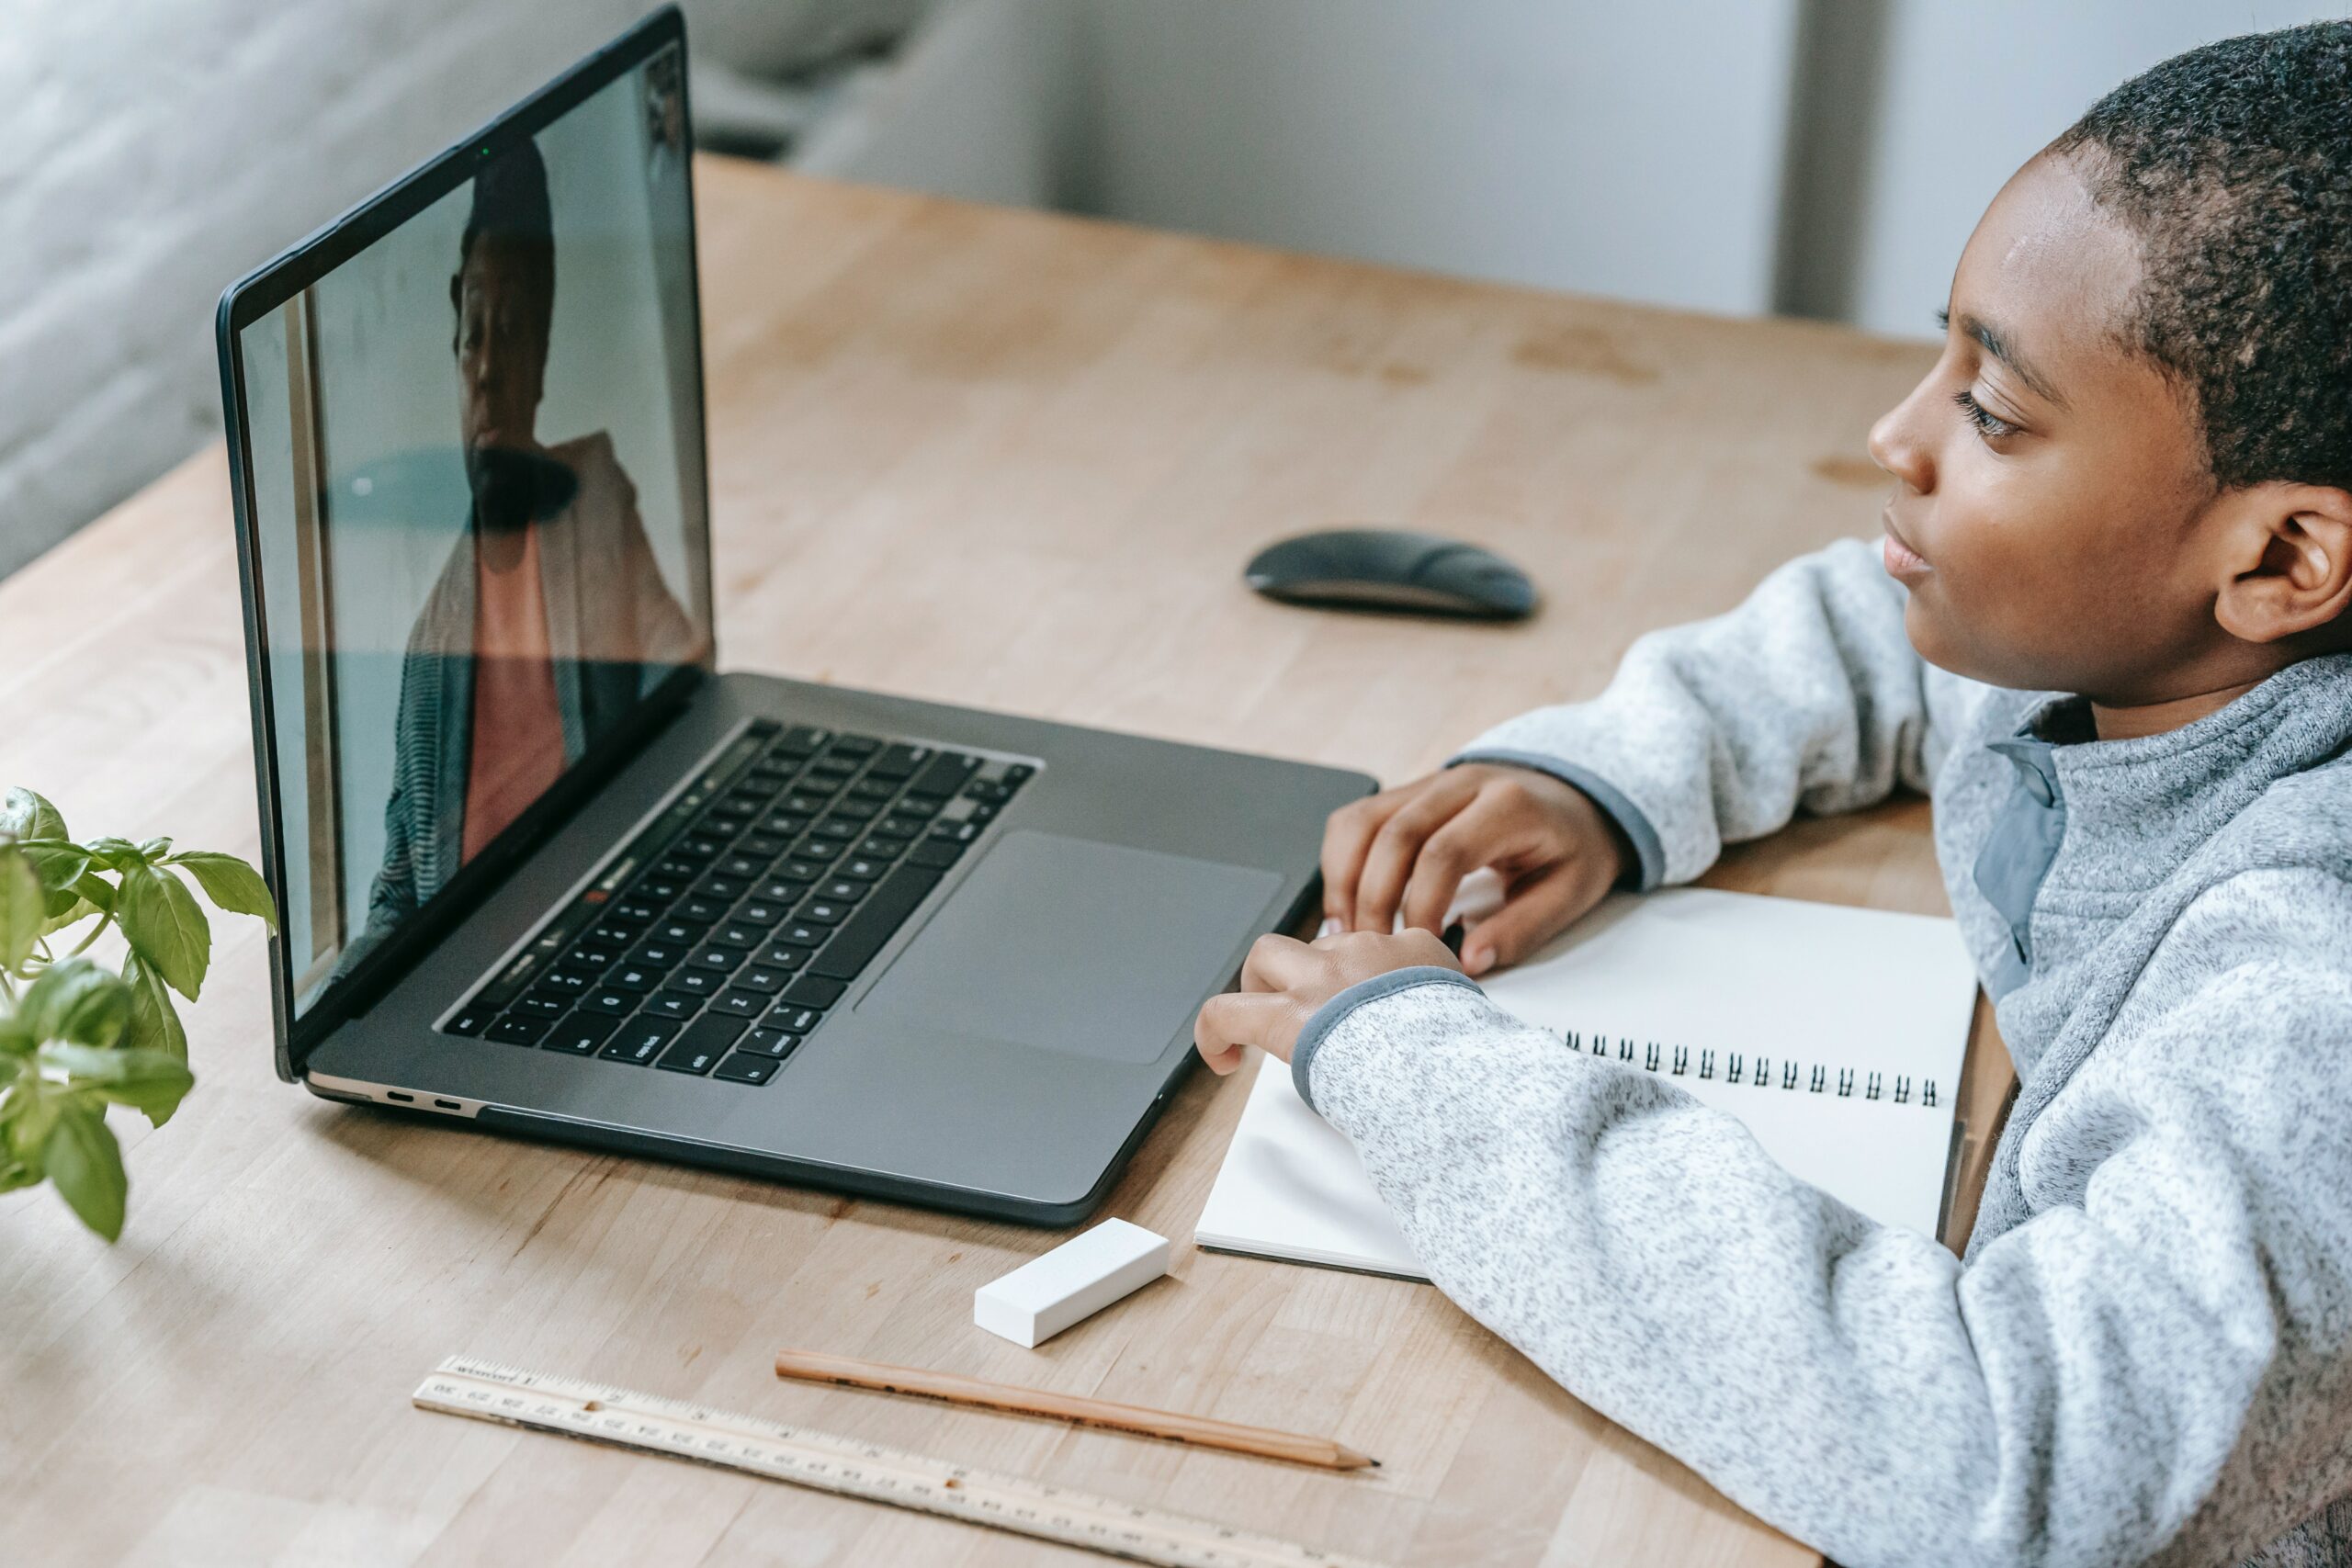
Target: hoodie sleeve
{"points": [[1808, 696], [2152, 1367]]}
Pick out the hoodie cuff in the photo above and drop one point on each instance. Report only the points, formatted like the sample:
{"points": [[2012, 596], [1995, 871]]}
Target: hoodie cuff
{"points": [[1332, 1013], [1648, 850]]}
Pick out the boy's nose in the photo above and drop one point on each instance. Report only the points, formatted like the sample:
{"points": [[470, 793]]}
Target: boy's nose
{"points": [[1895, 448]]}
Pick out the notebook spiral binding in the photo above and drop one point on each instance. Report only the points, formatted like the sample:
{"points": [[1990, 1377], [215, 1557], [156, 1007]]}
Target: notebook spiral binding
{"points": [[1812, 1077]]}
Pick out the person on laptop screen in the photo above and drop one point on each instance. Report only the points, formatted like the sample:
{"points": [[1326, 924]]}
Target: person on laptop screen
{"points": [[550, 619]]}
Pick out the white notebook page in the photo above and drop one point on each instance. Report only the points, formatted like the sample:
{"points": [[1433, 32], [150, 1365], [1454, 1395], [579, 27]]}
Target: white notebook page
{"points": [[1846, 990]]}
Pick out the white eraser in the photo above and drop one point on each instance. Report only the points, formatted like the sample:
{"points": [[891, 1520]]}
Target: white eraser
{"points": [[1075, 1281]]}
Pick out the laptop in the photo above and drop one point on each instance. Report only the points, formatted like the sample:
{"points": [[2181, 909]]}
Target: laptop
{"points": [[541, 866]]}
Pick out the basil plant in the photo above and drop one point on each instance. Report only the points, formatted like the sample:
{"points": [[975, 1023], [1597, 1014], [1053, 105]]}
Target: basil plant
{"points": [[76, 1036]]}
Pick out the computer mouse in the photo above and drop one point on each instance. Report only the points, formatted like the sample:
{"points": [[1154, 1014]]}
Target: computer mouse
{"points": [[1387, 568]]}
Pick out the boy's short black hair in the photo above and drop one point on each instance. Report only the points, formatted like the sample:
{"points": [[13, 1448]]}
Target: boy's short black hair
{"points": [[510, 204], [2232, 165]]}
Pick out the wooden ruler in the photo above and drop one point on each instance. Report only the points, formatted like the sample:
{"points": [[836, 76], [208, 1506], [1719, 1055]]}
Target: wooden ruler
{"points": [[489, 1391]]}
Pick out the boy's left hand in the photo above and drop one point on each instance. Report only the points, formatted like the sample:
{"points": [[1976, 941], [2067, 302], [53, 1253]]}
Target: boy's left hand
{"points": [[1286, 980]]}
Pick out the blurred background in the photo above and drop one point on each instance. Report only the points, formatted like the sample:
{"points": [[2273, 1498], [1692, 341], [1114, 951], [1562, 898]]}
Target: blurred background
{"points": [[1821, 158]]}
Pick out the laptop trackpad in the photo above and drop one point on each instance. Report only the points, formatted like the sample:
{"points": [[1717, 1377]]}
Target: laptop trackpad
{"points": [[1098, 950]]}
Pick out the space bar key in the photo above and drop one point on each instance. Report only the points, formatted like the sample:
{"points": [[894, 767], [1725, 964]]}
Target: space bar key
{"points": [[883, 911]]}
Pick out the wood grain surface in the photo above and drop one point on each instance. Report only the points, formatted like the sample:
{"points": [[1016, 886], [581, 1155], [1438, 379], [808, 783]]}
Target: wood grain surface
{"points": [[979, 457]]}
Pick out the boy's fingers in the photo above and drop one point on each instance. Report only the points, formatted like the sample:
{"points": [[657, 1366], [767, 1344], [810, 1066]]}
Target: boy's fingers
{"points": [[1473, 836], [1276, 962], [1389, 862], [1236, 1019], [1347, 833], [1538, 908]]}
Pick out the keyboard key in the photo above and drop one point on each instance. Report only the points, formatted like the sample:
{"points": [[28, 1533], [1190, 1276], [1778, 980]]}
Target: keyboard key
{"points": [[722, 890], [633, 978], [700, 911], [742, 867], [811, 991], [542, 1004], [822, 912], [861, 869], [567, 980], [680, 934], [781, 890], [739, 933], [743, 1068], [758, 913], [692, 1052], [795, 1020], [873, 788], [469, 1020], [696, 982], [659, 954], [579, 1035], [671, 868], [673, 1004], [801, 933], [921, 805], [944, 774], [987, 792], [777, 1043], [937, 853], [612, 1004], [781, 957], [1019, 773], [852, 746], [596, 954], [770, 1042], [699, 847], [633, 911], [801, 870], [803, 804], [660, 889], [784, 825], [836, 830], [765, 846], [883, 846], [640, 1042], [763, 980], [883, 912], [800, 740], [848, 810], [740, 1004], [513, 1030], [956, 832], [840, 890], [720, 959], [900, 761], [901, 826]]}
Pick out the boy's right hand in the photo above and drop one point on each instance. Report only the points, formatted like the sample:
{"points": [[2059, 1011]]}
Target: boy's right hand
{"points": [[1405, 851]]}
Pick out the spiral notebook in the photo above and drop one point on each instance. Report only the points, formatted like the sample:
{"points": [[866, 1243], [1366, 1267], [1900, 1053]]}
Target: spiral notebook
{"points": [[1835, 1034]]}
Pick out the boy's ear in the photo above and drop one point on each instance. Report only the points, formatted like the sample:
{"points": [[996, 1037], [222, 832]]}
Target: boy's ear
{"points": [[2288, 559]]}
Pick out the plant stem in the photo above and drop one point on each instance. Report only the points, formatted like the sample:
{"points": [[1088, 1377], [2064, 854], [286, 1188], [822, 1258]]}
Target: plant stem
{"points": [[96, 931]]}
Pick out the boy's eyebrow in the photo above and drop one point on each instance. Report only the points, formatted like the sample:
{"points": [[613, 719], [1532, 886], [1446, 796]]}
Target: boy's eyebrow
{"points": [[1997, 345]]}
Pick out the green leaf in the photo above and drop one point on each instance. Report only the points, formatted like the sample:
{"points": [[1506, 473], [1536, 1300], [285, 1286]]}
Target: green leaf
{"points": [[75, 1001], [155, 849], [32, 1111], [87, 1165], [154, 1022], [119, 853], [231, 883], [165, 927], [15, 1040], [24, 907], [59, 866], [24, 815], [150, 1081]]}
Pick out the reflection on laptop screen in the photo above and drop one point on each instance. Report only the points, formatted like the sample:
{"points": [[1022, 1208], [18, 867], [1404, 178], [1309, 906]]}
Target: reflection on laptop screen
{"points": [[478, 533]]}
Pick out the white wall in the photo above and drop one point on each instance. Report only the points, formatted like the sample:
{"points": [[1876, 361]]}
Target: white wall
{"points": [[1587, 144], [1966, 93]]}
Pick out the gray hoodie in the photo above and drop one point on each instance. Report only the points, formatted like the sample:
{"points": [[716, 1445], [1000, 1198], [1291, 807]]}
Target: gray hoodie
{"points": [[2146, 1355]]}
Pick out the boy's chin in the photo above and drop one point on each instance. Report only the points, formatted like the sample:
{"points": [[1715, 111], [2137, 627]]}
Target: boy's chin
{"points": [[1931, 641]]}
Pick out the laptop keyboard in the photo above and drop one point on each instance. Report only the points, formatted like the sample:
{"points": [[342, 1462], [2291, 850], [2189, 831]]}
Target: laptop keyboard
{"points": [[715, 942]]}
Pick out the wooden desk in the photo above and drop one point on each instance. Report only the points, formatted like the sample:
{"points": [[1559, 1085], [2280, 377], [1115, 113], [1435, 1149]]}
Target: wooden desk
{"points": [[981, 456]]}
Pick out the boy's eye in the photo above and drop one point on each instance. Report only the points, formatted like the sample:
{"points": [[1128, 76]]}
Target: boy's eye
{"points": [[1990, 425]]}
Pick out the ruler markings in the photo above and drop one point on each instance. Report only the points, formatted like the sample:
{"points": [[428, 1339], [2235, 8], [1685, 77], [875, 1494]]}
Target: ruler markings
{"points": [[463, 1385]]}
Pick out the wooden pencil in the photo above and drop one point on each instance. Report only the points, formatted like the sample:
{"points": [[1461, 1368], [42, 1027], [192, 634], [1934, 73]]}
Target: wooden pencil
{"points": [[814, 1366]]}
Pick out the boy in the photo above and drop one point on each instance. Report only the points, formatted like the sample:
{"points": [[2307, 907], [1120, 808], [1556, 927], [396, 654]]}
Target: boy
{"points": [[2106, 627]]}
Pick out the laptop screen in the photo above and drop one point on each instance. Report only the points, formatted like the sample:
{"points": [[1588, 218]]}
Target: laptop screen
{"points": [[476, 517]]}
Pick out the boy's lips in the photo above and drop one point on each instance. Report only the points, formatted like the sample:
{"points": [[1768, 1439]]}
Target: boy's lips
{"points": [[1902, 563]]}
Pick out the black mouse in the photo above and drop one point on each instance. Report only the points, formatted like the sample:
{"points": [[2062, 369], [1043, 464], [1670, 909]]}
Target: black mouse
{"points": [[1385, 568]]}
